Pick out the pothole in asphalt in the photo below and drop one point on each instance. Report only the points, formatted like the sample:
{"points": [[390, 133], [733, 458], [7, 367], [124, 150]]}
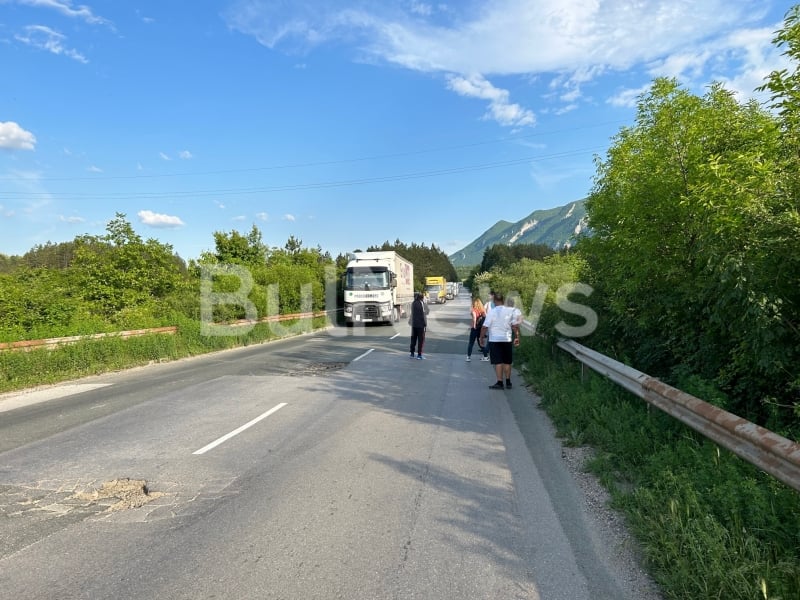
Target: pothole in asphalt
{"points": [[128, 493], [318, 368]]}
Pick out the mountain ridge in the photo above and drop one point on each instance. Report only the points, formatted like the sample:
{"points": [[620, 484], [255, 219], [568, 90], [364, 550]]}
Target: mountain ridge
{"points": [[555, 227]]}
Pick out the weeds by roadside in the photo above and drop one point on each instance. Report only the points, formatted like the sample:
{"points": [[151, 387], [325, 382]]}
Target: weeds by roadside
{"points": [[710, 524], [19, 370]]}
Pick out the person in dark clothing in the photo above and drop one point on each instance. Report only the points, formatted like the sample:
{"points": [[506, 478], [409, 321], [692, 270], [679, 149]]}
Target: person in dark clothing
{"points": [[419, 323]]}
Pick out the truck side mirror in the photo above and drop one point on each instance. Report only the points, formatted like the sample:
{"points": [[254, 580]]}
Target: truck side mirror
{"points": [[393, 281]]}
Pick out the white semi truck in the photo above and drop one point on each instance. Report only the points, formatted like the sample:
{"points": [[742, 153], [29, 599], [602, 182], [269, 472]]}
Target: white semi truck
{"points": [[378, 287]]}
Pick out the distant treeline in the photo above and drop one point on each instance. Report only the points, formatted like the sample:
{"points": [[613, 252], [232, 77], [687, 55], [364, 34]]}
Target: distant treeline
{"points": [[119, 280]]}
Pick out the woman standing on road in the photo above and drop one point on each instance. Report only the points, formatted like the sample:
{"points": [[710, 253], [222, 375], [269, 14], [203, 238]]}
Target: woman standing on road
{"points": [[478, 316]]}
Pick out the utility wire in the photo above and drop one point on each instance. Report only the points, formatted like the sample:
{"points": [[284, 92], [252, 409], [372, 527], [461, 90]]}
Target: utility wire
{"points": [[325, 162], [297, 186]]}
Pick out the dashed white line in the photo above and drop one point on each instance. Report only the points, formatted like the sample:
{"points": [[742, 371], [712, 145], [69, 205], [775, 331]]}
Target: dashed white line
{"points": [[228, 436], [363, 355], [395, 335]]}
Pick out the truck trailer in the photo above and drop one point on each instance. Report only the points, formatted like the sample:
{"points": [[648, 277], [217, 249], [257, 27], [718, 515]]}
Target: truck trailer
{"points": [[378, 287]]}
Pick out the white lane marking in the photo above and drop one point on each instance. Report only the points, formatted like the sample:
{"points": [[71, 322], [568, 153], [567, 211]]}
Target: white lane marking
{"points": [[395, 335], [14, 400], [363, 355], [228, 436]]}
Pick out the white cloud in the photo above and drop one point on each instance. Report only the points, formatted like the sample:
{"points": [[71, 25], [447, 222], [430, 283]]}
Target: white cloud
{"points": [[262, 216], [14, 137], [44, 38], [148, 217], [94, 169], [421, 8], [569, 42], [289, 217], [500, 109], [185, 155], [65, 8], [629, 97], [752, 50], [164, 156], [73, 219], [144, 18]]}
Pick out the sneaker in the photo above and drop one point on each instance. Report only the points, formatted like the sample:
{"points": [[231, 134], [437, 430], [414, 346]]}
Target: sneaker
{"points": [[469, 359], [412, 356], [496, 386], [420, 357], [508, 384], [485, 359]]}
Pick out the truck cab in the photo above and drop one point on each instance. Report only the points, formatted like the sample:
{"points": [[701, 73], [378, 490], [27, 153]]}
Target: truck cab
{"points": [[436, 290], [378, 287]]}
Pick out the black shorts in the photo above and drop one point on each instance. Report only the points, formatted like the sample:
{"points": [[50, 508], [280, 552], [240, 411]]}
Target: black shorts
{"points": [[501, 353]]}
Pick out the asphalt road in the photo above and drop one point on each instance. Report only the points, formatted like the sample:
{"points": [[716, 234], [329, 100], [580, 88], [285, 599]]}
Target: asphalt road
{"points": [[327, 465]]}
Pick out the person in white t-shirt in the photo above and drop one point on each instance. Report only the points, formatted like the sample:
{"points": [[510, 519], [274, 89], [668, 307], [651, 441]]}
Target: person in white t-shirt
{"points": [[502, 329]]}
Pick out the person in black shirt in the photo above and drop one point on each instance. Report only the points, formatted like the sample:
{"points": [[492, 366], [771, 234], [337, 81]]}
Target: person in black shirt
{"points": [[419, 323]]}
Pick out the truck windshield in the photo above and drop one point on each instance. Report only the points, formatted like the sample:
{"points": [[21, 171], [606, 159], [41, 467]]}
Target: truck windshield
{"points": [[432, 288], [365, 278]]}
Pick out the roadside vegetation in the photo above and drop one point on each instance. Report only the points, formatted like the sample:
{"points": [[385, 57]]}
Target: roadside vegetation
{"points": [[694, 276], [119, 281], [692, 270]]}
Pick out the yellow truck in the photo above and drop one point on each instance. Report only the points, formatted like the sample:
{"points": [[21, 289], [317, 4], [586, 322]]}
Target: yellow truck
{"points": [[436, 289]]}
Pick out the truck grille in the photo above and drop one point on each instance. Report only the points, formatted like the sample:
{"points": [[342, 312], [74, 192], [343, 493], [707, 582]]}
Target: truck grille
{"points": [[367, 311]]}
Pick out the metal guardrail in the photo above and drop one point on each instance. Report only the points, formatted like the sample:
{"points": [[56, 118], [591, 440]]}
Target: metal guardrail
{"points": [[279, 318], [50, 343], [777, 455]]}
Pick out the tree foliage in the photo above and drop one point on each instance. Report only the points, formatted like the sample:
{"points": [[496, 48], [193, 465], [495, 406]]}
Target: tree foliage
{"points": [[49, 255], [503, 255], [428, 261], [694, 246], [120, 270], [287, 279], [233, 248]]}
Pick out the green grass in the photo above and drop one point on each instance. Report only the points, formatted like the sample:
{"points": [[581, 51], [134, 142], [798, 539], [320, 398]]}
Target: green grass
{"points": [[710, 525], [20, 370]]}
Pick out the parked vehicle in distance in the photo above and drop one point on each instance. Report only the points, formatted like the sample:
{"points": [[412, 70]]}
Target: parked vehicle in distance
{"points": [[436, 289], [378, 287]]}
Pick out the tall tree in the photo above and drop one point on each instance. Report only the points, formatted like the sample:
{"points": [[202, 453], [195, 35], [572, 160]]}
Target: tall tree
{"points": [[681, 211], [235, 248], [120, 270]]}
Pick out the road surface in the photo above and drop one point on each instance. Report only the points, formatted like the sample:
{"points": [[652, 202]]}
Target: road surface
{"points": [[327, 465]]}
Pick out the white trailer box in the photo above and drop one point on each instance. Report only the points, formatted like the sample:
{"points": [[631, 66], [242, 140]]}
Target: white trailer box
{"points": [[378, 287]]}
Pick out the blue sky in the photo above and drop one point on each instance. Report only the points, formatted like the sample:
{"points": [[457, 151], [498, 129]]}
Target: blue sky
{"points": [[344, 124]]}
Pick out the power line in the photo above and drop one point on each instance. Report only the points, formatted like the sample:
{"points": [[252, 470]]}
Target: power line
{"points": [[325, 162], [295, 187]]}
